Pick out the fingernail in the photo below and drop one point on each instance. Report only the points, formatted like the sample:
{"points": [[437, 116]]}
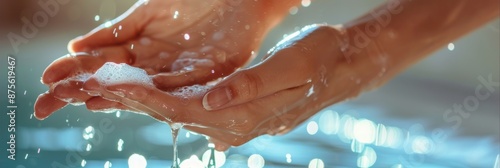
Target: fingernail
{"points": [[217, 98]]}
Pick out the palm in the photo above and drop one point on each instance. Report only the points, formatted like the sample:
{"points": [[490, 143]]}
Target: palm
{"points": [[173, 35], [180, 42]]}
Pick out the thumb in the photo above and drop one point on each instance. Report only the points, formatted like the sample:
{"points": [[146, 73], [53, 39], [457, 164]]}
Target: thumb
{"points": [[279, 72], [292, 64], [119, 30]]}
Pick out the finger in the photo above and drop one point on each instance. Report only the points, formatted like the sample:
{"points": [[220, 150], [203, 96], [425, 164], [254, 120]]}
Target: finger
{"points": [[103, 105], [123, 28], [293, 63], [74, 64], [46, 104], [224, 139], [257, 82], [71, 92], [93, 86], [167, 81], [196, 66], [237, 120]]}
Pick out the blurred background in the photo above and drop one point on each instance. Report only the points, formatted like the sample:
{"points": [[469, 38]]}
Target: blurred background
{"points": [[403, 124]]}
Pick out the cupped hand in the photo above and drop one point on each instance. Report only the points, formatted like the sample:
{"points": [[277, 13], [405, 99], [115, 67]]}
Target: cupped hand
{"points": [[300, 76], [179, 42]]}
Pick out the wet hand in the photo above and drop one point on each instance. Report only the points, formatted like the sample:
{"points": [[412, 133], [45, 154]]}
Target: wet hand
{"points": [[178, 42], [299, 77]]}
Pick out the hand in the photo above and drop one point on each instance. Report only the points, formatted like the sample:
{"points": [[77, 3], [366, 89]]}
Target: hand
{"points": [[179, 42], [297, 79]]}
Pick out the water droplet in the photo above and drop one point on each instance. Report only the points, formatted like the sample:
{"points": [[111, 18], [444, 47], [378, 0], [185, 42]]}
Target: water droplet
{"points": [[26, 156], [218, 36], [107, 164], [145, 41], [247, 27], [451, 46], [256, 161], [97, 18], [176, 14], [120, 145], [220, 157], [120, 27], [31, 116], [316, 163], [293, 10], [88, 133], [38, 150], [118, 114], [288, 158], [108, 24], [312, 128], [131, 46], [186, 36], [137, 161], [188, 134], [24, 92], [88, 147], [83, 163], [310, 92], [306, 3], [164, 55]]}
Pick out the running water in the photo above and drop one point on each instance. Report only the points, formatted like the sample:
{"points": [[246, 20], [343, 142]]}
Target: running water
{"points": [[175, 127]]}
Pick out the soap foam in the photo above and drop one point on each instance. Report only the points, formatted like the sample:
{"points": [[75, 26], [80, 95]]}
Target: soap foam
{"points": [[111, 73], [191, 63], [191, 91]]}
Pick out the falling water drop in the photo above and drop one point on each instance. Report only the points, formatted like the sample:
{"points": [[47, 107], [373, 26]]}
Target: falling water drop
{"points": [[88, 147], [451, 46], [88, 133], [288, 158], [120, 145], [97, 18], [175, 127], [83, 163]]}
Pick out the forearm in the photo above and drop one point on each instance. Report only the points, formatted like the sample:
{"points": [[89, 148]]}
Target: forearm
{"points": [[402, 32]]}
